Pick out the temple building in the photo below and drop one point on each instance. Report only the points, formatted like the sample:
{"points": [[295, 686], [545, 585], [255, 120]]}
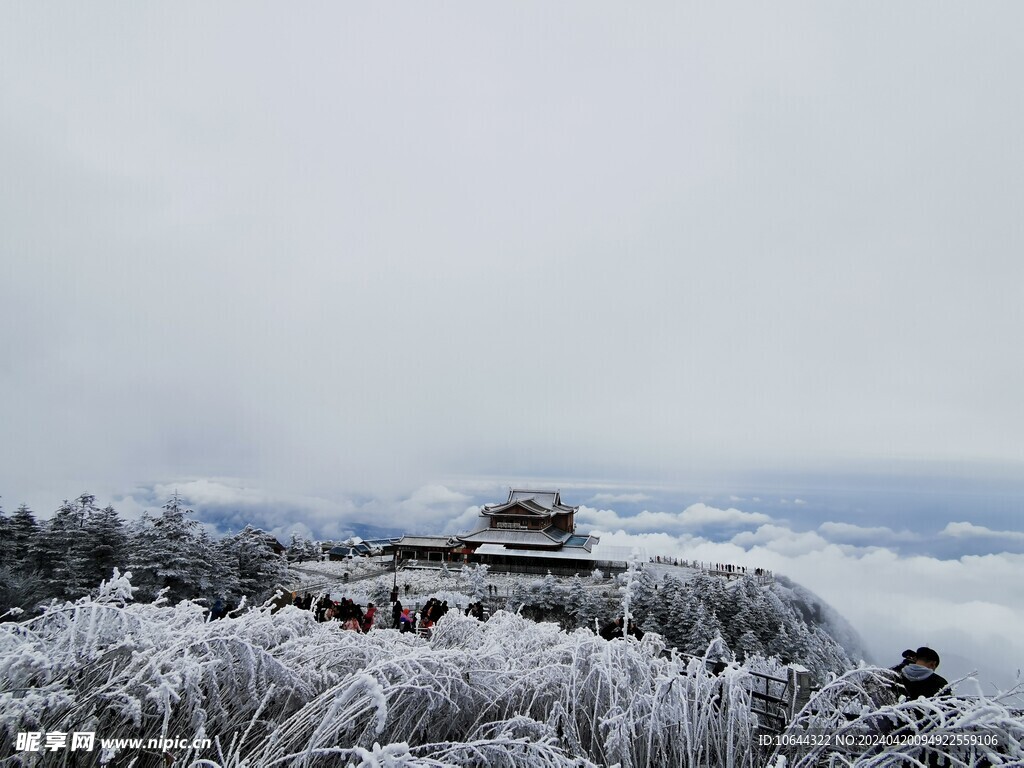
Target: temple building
{"points": [[532, 531]]}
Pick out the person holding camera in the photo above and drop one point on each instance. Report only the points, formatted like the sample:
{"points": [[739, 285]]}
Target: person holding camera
{"points": [[917, 673]]}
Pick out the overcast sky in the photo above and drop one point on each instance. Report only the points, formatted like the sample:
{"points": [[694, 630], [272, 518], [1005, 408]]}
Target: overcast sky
{"points": [[343, 252]]}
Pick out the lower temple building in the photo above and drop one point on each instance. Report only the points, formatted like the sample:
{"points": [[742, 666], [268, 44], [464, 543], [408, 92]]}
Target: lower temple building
{"points": [[531, 532]]}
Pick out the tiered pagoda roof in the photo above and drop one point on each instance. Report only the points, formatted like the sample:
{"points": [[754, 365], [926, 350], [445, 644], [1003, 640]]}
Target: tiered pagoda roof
{"points": [[526, 502]]}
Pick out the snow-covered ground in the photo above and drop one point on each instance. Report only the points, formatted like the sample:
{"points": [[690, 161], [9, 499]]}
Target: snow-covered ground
{"points": [[415, 584]]}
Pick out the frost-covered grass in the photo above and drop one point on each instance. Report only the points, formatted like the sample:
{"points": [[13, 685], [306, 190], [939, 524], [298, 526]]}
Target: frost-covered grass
{"points": [[280, 689]]}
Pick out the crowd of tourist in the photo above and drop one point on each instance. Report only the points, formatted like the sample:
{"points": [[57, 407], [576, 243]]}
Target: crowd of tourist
{"points": [[718, 568], [353, 617]]}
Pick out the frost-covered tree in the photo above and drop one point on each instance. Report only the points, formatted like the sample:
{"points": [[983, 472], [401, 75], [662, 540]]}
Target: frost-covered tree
{"points": [[689, 616], [711, 591], [749, 645], [704, 630], [260, 571], [645, 595], [166, 553], [57, 549], [669, 613], [476, 581], [6, 550], [51, 560], [541, 600], [103, 545], [83, 569], [223, 571], [301, 549], [824, 655], [780, 645], [23, 531], [582, 605]]}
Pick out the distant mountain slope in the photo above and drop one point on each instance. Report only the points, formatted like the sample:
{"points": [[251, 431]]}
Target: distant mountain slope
{"points": [[816, 610]]}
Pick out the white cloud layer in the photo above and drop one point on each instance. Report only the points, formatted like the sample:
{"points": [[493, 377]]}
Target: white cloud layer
{"points": [[963, 530], [967, 608], [696, 517], [231, 504]]}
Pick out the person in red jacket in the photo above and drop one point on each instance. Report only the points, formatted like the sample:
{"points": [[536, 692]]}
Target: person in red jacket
{"points": [[371, 611]]}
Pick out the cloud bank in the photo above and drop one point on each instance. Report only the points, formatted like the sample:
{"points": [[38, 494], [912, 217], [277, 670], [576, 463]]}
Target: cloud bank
{"points": [[696, 517], [966, 607]]}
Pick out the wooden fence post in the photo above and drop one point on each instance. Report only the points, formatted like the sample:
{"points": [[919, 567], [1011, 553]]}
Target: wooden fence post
{"points": [[799, 689]]}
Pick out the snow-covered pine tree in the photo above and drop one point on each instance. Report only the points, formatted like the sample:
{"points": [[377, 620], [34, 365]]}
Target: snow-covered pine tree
{"points": [[20, 584], [780, 644], [742, 622], [81, 578], [55, 553], [711, 591], [23, 532], [582, 607], [104, 546], [645, 594], [824, 656], [799, 638], [704, 629], [166, 553], [259, 569], [301, 549], [749, 645], [223, 571], [6, 551], [544, 600], [205, 548], [669, 616]]}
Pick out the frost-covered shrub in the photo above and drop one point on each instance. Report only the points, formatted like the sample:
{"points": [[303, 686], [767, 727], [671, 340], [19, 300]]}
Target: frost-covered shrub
{"points": [[281, 689]]}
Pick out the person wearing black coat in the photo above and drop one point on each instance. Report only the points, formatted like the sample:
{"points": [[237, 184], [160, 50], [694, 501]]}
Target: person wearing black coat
{"points": [[917, 674], [613, 630]]}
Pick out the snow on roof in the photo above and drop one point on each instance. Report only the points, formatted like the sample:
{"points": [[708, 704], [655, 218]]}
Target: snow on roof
{"points": [[427, 541], [532, 502], [570, 553], [549, 537], [573, 553], [546, 499]]}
